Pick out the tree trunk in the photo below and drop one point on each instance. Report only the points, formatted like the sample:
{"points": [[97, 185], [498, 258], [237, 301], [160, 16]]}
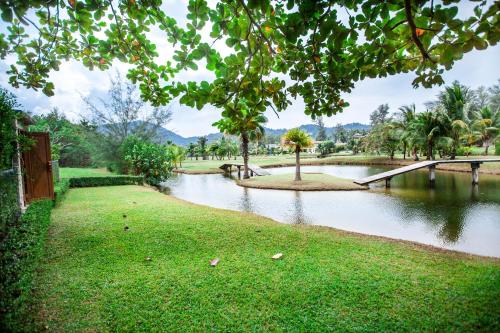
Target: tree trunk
{"points": [[404, 151], [297, 164], [244, 148], [486, 149], [429, 151]]}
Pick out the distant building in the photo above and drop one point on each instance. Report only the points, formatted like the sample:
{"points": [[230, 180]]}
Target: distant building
{"points": [[314, 148]]}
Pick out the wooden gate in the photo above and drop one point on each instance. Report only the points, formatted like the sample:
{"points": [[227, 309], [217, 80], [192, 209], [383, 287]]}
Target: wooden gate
{"points": [[37, 168]]}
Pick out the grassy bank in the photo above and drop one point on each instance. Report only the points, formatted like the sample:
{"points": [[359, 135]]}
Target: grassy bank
{"points": [[212, 166], [309, 182], [97, 276], [84, 172]]}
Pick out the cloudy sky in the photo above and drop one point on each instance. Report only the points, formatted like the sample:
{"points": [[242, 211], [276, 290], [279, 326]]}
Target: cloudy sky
{"points": [[477, 68]]}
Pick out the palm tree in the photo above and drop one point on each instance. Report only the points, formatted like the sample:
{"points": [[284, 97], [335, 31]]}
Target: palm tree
{"points": [[202, 147], [407, 116], [243, 122], [191, 149], [456, 101], [255, 136], [426, 129], [458, 129], [178, 155], [212, 149], [486, 126], [297, 139]]}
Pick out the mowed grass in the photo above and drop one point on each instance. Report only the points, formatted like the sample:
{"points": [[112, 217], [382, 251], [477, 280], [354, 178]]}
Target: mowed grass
{"points": [[95, 276], [84, 172], [309, 182]]}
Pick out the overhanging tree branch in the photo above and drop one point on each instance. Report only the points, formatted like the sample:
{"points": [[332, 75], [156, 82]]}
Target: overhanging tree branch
{"points": [[414, 35]]}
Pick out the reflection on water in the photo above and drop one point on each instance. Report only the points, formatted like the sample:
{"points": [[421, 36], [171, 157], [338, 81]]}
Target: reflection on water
{"points": [[454, 214]]}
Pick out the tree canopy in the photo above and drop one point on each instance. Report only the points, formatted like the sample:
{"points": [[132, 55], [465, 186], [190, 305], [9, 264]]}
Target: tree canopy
{"points": [[277, 50]]}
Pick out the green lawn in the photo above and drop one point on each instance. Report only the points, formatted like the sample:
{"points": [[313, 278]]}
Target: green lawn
{"points": [[95, 276], [84, 172]]}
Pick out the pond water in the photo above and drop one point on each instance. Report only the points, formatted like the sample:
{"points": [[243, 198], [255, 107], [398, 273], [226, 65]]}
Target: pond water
{"points": [[453, 215]]}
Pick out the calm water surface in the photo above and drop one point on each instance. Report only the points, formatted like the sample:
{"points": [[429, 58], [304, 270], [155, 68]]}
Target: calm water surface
{"points": [[454, 215]]}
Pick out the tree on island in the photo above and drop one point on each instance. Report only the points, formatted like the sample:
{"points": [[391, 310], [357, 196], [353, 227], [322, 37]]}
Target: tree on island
{"points": [[244, 123], [297, 139]]}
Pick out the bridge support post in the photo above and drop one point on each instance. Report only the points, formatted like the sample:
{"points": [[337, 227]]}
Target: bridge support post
{"points": [[239, 171], [432, 175], [475, 173], [388, 183]]}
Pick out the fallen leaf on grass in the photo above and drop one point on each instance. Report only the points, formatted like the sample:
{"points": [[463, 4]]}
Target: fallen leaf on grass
{"points": [[214, 262], [277, 256], [148, 259]]}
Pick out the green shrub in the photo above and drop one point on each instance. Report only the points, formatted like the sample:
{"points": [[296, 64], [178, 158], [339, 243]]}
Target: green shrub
{"points": [[105, 181], [9, 201], [464, 151], [152, 160], [60, 188], [20, 253]]}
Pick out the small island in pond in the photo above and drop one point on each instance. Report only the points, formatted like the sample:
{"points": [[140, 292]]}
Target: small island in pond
{"points": [[309, 182]]}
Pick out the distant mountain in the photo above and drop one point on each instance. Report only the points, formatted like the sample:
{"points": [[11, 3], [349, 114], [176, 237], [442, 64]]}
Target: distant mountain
{"points": [[312, 129], [167, 135]]}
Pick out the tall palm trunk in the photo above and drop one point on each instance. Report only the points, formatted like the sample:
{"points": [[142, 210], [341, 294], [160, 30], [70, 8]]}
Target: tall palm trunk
{"points": [[244, 148], [429, 151], [297, 163], [404, 150]]}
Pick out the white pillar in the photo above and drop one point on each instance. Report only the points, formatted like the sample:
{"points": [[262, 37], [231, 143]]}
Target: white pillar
{"points": [[432, 174], [475, 173], [19, 170]]}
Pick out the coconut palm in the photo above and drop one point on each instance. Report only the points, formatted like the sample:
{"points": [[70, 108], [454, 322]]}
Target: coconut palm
{"points": [[243, 122], [297, 139], [485, 133], [406, 117], [456, 101], [178, 155], [255, 136], [427, 128], [458, 129]]}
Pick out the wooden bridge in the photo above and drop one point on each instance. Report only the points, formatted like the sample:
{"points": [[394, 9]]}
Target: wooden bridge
{"points": [[425, 164], [254, 169]]}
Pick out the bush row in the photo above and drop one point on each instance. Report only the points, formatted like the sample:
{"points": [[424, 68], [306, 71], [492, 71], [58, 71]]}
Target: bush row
{"points": [[61, 187], [21, 250], [105, 181], [9, 201]]}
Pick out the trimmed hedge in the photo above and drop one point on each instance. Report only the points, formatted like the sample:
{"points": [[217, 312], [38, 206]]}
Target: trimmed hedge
{"points": [[60, 188], [9, 201], [105, 181], [20, 253]]}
